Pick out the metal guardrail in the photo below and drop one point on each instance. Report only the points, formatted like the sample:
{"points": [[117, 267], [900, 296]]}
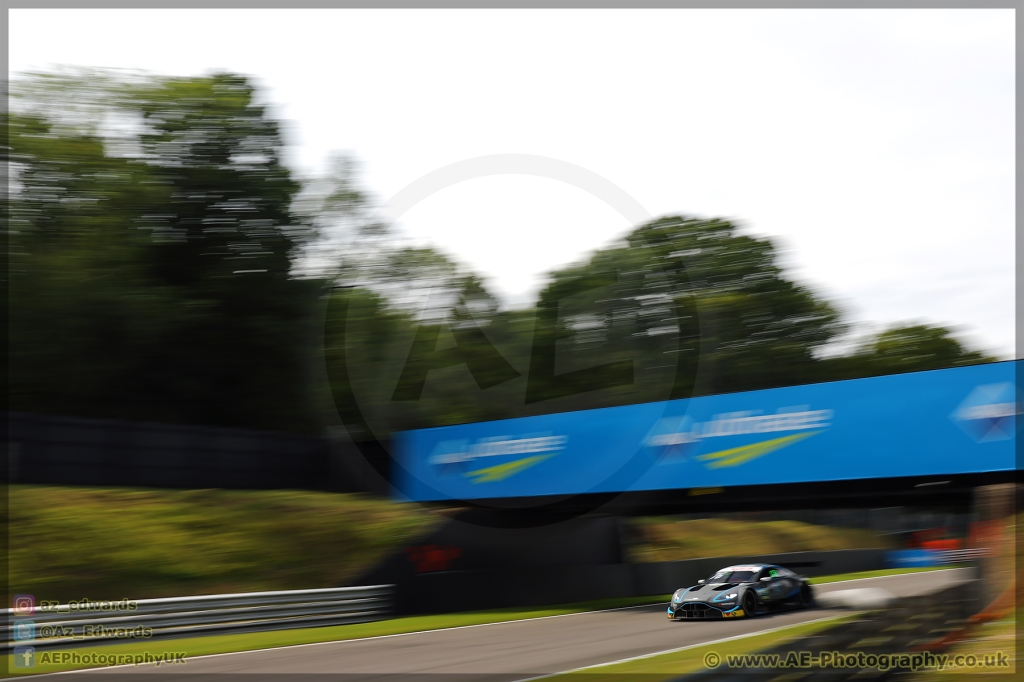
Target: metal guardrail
{"points": [[143, 619], [956, 556]]}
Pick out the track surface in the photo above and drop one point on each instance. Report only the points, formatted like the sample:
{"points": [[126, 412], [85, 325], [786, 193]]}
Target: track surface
{"points": [[515, 650]]}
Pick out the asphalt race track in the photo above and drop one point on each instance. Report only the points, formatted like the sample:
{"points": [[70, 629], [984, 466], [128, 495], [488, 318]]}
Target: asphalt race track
{"points": [[513, 650]]}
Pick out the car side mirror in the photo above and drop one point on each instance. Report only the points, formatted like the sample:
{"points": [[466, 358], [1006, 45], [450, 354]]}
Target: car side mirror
{"points": [[700, 582], [766, 579]]}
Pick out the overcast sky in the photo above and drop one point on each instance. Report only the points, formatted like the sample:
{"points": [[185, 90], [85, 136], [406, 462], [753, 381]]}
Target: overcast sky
{"points": [[876, 146]]}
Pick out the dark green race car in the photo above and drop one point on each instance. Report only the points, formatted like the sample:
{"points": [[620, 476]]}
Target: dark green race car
{"points": [[742, 590]]}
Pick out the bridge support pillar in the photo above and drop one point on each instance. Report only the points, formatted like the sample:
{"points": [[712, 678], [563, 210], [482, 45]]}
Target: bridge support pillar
{"points": [[994, 533]]}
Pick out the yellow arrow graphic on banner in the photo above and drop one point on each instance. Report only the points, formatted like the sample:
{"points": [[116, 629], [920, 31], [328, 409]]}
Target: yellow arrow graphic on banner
{"points": [[501, 471], [735, 456]]}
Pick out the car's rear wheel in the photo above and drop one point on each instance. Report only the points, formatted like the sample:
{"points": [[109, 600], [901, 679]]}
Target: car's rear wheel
{"points": [[750, 603], [806, 596]]}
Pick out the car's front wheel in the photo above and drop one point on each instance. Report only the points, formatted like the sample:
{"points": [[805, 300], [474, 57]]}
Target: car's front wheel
{"points": [[750, 603]]}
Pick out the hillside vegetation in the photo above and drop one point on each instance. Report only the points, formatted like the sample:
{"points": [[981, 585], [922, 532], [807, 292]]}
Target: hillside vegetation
{"points": [[107, 543], [664, 539], [71, 543]]}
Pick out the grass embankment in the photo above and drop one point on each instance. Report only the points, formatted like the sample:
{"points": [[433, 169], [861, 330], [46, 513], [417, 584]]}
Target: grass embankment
{"points": [[70, 543], [664, 539]]}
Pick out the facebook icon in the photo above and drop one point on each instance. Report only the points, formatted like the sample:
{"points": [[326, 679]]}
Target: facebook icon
{"points": [[24, 657]]}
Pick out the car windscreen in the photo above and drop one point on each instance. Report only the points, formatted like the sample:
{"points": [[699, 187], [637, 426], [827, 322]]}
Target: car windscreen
{"points": [[732, 577]]}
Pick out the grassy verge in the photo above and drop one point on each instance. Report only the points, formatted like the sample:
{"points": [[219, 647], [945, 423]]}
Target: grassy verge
{"points": [[215, 644], [695, 658], [70, 543]]}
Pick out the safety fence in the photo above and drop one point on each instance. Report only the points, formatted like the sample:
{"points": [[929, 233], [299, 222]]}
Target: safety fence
{"points": [[958, 556], [58, 625]]}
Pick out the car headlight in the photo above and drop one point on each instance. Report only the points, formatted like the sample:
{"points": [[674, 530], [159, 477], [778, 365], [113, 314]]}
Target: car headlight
{"points": [[726, 597]]}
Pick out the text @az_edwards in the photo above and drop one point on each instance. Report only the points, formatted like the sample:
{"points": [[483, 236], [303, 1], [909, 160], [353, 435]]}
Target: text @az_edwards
{"points": [[95, 631], [915, 661]]}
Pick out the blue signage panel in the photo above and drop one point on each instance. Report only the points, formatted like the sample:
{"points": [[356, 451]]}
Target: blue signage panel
{"points": [[950, 421]]}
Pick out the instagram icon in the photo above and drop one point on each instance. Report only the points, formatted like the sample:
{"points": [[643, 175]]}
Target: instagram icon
{"points": [[24, 604]]}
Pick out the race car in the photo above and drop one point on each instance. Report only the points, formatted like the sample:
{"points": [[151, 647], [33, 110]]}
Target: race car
{"points": [[744, 590]]}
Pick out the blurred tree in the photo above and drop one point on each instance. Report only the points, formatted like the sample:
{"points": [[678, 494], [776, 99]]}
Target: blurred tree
{"points": [[681, 307], [344, 241], [416, 343], [738, 322], [151, 273], [909, 348], [165, 265]]}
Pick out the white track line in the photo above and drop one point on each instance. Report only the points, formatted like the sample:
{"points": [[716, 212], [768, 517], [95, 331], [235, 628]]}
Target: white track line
{"points": [[465, 627]]}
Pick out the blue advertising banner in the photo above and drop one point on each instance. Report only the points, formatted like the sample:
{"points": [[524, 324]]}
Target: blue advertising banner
{"points": [[950, 421]]}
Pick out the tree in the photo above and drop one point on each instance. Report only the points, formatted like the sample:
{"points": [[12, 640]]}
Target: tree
{"points": [[679, 307], [151, 273], [417, 343], [907, 348], [739, 322]]}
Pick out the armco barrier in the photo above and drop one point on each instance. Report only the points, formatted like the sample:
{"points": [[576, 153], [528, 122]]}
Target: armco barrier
{"points": [[919, 558], [97, 622]]}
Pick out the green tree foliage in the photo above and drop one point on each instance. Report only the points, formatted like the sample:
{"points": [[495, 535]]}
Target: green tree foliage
{"points": [[151, 272], [681, 307], [419, 341], [909, 348], [737, 321], [166, 265]]}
